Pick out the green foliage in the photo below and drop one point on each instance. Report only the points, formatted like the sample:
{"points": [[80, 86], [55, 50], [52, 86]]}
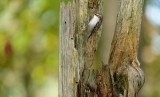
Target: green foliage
{"points": [[29, 47]]}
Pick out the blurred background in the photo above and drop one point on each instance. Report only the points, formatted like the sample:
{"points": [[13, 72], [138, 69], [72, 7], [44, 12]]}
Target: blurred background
{"points": [[149, 50], [29, 46]]}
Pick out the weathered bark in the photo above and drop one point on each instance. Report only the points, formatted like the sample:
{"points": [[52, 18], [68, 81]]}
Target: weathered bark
{"points": [[123, 58], [122, 77]]}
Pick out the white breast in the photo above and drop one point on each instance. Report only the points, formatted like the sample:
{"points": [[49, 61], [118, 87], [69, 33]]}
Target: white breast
{"points": [[93, 21]]}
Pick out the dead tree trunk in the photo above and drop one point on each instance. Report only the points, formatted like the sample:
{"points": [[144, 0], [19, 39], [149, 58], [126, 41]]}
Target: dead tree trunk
{"points": [[122, 77]]}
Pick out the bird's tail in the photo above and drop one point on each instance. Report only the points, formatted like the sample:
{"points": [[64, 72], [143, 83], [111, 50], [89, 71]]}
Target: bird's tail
{"points": [[89, 36]]}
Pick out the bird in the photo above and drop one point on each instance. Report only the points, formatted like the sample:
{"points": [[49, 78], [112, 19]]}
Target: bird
{"points": [[94, 24]]}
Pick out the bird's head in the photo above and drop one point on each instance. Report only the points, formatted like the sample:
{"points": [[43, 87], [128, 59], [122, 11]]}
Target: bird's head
{"points": [[99, 15]]}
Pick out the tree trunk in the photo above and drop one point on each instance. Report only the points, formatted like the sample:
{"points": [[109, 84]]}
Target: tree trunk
{"points": [[122, 77]]}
